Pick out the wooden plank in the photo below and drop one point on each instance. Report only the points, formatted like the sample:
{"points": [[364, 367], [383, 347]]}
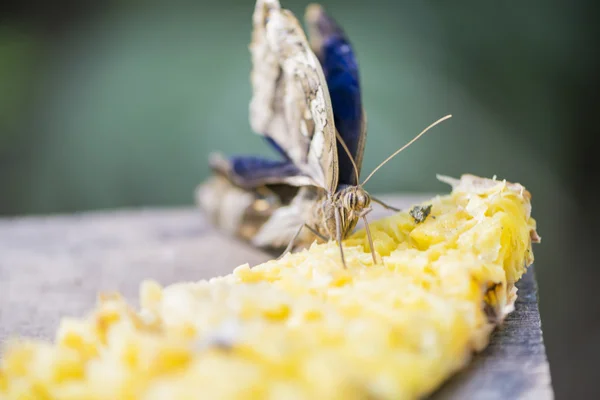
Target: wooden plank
{"points": [[54, 266], [514, 365]]}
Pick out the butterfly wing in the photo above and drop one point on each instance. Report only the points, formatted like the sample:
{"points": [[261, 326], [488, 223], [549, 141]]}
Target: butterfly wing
{"points": [[250, 214], [337, 58], [291, 104], [249, 172], [281, 228]]}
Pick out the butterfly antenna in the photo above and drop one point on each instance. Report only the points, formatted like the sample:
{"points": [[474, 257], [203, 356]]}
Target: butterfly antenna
{"points": [[341, 140], [405, 146]]}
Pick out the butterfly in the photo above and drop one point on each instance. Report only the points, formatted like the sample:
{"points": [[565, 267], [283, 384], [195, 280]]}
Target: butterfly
{"points": [[307, 105]]}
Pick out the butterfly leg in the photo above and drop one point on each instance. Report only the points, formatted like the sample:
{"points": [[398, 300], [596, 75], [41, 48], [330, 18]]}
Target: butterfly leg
{"points": [[295, 237], [338, 228], [363, 215], [384, 205], [291, 244], [316, 233]]}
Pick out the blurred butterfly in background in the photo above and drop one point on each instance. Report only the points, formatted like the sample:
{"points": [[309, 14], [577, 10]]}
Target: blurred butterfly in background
{"points": [[307, 105]]}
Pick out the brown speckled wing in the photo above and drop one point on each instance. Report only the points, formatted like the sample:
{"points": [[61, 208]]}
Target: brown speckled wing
{"points": [[291, 103]]}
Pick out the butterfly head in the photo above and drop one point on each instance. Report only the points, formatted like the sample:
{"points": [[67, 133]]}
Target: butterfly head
{"points": [[355, 199]]}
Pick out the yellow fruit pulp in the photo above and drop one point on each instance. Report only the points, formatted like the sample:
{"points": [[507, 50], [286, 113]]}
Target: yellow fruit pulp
{"points": [[303, 327]]}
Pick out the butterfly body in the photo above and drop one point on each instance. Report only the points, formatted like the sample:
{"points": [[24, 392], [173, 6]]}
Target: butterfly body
{"points": [[351, 202], [307, 104], [304, 95]]}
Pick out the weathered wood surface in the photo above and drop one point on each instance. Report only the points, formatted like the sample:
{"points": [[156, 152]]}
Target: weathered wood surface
{"points": [[52, 267]]}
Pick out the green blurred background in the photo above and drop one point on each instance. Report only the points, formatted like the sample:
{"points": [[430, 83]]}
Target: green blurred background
{"points": [[118, 105]]}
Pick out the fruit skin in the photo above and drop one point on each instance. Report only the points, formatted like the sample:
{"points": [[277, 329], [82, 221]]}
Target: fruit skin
{"points": [[303, 327]]}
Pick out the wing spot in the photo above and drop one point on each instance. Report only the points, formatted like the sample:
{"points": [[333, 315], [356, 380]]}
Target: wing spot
{"points": [[303, 128], [317, 143]]}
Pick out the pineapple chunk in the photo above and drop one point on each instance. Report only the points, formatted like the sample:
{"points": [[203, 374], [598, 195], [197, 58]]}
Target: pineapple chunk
{"points": [[303, 327]]}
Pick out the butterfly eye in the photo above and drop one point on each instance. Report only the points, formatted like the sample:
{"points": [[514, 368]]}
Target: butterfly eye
{"points": [[363, 200]]}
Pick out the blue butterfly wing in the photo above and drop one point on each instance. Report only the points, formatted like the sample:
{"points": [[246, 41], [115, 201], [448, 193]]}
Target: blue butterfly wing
{"points": [[250, 172], [278, 148], [337, 58]]}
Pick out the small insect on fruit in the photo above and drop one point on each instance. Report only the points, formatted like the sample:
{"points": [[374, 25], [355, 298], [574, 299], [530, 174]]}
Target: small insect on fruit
{"points": [[420, 213], [307, 104]]}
